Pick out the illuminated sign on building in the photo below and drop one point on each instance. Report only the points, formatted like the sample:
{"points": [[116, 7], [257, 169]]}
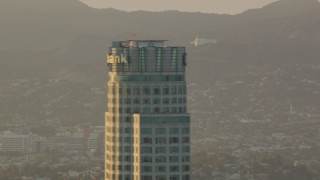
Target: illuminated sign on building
{"points": [[116, 59]]}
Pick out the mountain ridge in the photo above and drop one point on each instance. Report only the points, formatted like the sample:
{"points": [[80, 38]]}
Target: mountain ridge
{"points": [[51, 27], [271, 55]]}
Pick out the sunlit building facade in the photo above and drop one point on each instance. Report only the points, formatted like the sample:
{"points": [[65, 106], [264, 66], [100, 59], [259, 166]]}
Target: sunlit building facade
{"points": [[147, 127]]}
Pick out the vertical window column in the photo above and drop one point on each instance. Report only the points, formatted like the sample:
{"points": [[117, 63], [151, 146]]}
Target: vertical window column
{"points": [[126, 65], [158, 60], [174, 59], [142, 59]]}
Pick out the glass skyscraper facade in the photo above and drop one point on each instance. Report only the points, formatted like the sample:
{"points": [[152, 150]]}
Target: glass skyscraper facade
{"points": [[147, 127]]}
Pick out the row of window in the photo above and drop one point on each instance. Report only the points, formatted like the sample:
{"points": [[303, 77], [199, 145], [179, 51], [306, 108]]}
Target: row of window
{"points": [[162, 150], [184, 168], [149, 177], [147, 90], [149, 131], [164, 159], [149, 110], [174, 177], [163, 140], [149, 140], [137, 101], [122, 119], [150, 150], [150, 169], [151, 159]]}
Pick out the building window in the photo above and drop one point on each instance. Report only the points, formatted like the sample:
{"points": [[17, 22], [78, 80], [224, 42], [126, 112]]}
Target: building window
{"points": [[160, 150], [128, 130], [156, 101], [184, 101], [185, 140], [185, 177], [165, 110], [174, 168], [174, 130], [174, 158], [136, 91], [156, 91], [146, 169], [156, 110], [166, 101], [161, 159], [146, 90], [174, 109], [174, 140], [161, 178], [175, 177], [146, 150], [126, 65], [185, 168], [128, 149], [136, 101], [161, 169], [161, 140], [146, 110], [127, 101], [128, 139], [120, 90], [127, 158], [158, 59], [166, 90], [128, 119], [128, 91], [146, 101], [185, 149], [161, 131], [185, 159], [146, 140], [146, 177], [146, 159], [146, 131], [174, 149], [136, 110], [184, 109], [128, 168], [173, 90], [128, 110], [142, 58], [185, 130], [174, 59]]}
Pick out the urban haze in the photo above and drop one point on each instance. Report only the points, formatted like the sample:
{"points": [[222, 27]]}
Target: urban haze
{"points": [[252, 80]]}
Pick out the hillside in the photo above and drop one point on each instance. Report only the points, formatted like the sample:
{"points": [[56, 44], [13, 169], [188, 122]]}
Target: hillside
{"points": [[67, 41]]}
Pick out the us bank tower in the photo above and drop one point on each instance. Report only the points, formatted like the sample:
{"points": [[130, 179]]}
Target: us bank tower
{"points": [[147, 127]]}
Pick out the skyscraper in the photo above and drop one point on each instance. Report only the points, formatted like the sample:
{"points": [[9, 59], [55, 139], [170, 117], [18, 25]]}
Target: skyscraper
{"points": [[147, 124]]}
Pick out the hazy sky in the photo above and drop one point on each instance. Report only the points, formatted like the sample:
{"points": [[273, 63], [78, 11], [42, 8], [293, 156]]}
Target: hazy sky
{"points": [[216, 6]]}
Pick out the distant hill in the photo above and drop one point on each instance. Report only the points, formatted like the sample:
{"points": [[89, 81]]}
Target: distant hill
{"points": [[46, 24], [68, 41]]}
